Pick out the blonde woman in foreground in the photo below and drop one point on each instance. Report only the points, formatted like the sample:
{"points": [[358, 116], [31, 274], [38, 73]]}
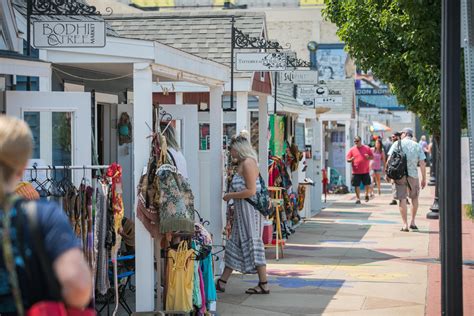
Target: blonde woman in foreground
{"points": [[24, 283]]}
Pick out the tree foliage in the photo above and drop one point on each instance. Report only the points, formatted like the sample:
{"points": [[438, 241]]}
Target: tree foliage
{"points": [[400, 41]]}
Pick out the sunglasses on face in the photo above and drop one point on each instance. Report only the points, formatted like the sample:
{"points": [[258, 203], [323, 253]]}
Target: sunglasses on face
{"points": [[356, 141]]}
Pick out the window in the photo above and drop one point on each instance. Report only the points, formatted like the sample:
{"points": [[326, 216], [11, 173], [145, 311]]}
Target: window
{"points": [[59, 126], [230, 129], [3, 42], [254, 126], [204, 136]]}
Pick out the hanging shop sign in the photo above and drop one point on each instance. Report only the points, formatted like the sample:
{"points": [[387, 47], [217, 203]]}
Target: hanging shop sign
{"points": [[306, 92], [299, 77], [48, 34], [329, 101], [260, 61]]}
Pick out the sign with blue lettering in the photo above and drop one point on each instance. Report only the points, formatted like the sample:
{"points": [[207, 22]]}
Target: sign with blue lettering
{"points": [[50, 34]]}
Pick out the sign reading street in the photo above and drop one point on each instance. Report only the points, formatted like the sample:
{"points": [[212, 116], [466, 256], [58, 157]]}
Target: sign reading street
{"points": [[47, 34], [299, 77], [260, 61]]}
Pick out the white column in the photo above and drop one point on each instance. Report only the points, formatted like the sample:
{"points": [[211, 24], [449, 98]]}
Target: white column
{"points": [[315, 167], [179, 98], [45, 82], [263, 136], [46, 119], [142, 113], [216, 163], [348, 145], [242, 111]]}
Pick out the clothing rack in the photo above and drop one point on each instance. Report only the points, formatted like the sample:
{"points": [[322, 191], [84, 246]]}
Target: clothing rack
{"points": [[91, 167]]}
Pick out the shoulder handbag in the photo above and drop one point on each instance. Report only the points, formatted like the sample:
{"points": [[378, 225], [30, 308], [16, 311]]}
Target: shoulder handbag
{"points": [[262, 199], [48, 308]]}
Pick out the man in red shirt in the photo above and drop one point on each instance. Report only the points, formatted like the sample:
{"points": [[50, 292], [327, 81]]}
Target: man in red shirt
{"points": [[359, 156]]}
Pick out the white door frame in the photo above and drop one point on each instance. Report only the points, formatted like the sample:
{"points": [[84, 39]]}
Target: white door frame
{"points": [[79, 103], [188, 114]]}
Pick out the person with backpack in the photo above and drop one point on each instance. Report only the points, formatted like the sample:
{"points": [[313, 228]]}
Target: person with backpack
{"points": [[41, 262], [245, 251], [402, 166], [359, 156]]}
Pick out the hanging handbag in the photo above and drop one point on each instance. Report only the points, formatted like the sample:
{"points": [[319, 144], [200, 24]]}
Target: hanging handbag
{"points": [[48, 308]]}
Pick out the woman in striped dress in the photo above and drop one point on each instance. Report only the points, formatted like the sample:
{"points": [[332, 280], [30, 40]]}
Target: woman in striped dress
{"points": [[245, 251]]}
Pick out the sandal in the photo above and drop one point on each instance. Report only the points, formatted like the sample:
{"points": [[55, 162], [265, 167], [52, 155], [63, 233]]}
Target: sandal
{"points": [[404, 229], [253, 290], [218, 285], [367, 199]]}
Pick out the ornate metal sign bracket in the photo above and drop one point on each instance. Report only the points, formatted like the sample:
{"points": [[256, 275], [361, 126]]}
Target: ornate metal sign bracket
{"points": [[63, 7], [244, 41], [294, 62]]}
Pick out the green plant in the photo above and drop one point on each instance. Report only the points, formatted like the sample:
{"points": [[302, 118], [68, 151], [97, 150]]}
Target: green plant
{"points": [[400, 41]]}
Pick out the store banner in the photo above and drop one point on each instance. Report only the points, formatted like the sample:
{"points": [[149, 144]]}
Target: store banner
{"points": [[277, 140], [73, 33], [260, 62]]}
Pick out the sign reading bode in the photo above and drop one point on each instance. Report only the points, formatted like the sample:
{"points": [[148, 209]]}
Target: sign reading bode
{"points": [[260, 62], [299, 77], [48, 34]]}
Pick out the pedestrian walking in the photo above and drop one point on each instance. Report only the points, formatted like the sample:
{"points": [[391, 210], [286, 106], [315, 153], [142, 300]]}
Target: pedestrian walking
{"points": [[409, 185], [245, 251], [359, 157], [425, 148], [395, 137], [377, 165], [36, 239], [387, 144]]}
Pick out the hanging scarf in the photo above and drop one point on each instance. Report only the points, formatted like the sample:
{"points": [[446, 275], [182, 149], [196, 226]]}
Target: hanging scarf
{"points": [[114, 173]]}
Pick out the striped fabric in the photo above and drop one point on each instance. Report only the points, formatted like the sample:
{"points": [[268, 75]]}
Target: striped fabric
{"points": [[245, 250]]}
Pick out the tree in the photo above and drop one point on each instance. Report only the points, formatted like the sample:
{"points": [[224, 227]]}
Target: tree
{"points": [[400, 41]]}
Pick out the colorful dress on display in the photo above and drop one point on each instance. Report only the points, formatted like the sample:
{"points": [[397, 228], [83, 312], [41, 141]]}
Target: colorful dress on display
{"points": [[181, 276], [245, 250]]}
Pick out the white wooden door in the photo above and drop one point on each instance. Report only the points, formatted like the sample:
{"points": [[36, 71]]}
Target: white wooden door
{"points": [[60, 123], [187, 130]]}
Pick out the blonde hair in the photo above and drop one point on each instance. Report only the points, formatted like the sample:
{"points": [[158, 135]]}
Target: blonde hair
{"points": [[170, 135], [16, 145], [242, 145]]}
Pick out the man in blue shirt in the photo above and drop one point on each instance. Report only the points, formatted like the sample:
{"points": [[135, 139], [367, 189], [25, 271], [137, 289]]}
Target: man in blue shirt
{"points": [[409, 186]]}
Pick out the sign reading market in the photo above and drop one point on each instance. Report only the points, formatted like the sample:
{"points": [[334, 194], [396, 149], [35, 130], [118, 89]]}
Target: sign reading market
{"points": [[48, 34]]}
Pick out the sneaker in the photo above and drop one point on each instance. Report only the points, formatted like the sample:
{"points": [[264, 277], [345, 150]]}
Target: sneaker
{"points": [[394, 202]]}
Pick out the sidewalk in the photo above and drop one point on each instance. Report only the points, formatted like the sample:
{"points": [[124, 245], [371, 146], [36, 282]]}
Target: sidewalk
{"points": [[347, 260], [434, 269]]}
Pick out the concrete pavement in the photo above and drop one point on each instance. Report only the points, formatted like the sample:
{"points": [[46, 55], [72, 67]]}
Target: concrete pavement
{"points": [[347, 260]]}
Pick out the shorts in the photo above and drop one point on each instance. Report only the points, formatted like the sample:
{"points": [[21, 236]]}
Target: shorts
{"points": [[378, 171], [407, 187], [357, 179]]}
